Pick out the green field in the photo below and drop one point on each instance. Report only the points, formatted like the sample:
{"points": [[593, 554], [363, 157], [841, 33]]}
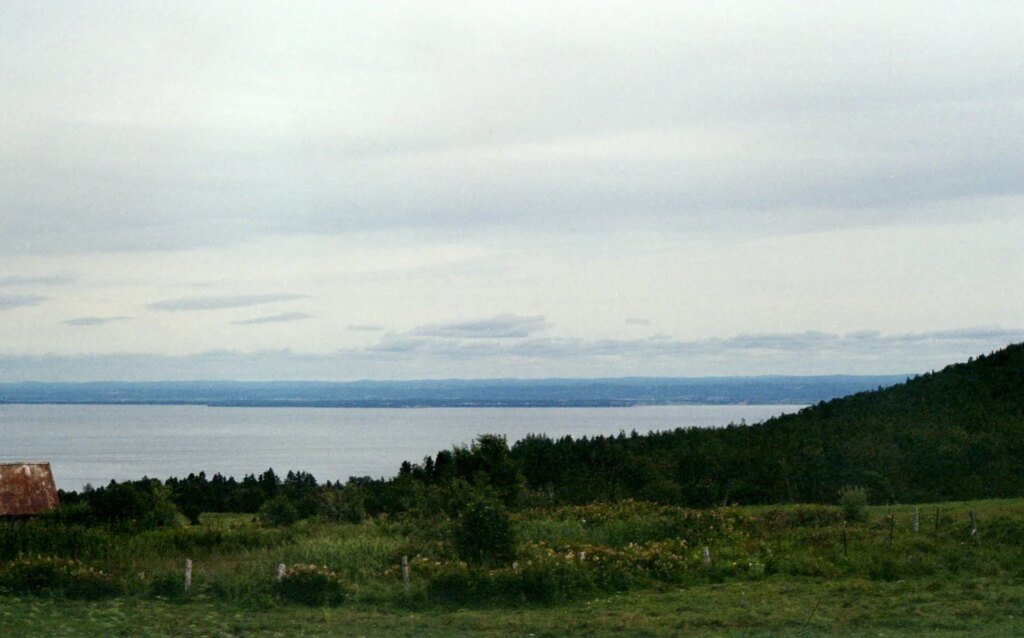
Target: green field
{"points": [[612, 569]]}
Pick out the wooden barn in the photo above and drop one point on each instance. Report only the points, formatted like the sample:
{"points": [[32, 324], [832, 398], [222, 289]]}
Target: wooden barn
{"points": [[26, 489]]}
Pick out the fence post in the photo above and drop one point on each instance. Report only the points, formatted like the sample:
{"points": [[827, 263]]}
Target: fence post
{"points": [[707, 556], [892, 527], [188, 575], [405, 573], [917, 513], [281, 569], [974, 526]]}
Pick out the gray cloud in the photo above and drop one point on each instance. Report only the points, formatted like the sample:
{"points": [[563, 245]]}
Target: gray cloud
{"points": [[633, 321], [781, 353], [57, 279], [673, 117], [506, 326], [220, 302], [92, 321], [279, 318], [403, 356], [397, 357], [10, 302], [364, 327]]}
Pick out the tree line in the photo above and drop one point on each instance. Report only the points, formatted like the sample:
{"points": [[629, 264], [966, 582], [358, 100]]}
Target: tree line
{"points": [[950, 435]]}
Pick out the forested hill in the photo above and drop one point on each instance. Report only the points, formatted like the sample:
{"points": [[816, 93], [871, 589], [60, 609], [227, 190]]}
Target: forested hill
{"points": [[953, 434]]}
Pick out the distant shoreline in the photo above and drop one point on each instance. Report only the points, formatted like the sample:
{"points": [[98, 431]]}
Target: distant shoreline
{"points": [[454, 393], [408, 406]]}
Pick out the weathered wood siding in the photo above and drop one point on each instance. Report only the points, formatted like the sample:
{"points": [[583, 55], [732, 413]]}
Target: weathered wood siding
{"points": [[26, 489]]}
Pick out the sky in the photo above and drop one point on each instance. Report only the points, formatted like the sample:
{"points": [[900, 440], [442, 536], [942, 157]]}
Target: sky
{"points": [[405, 190]]}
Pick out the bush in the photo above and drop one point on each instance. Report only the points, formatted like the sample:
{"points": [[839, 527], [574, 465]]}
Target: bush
{"points": [[77, 513], [802, 516], [43, 537], [166, 585], [204, 540], [192, 511], [545, 582], [347, 505], [1005, 530], [130, 506], [456, 584], [804, 563], [854, 503], [278, 511], [892, 568], [483, 534], [57, 576], [311, 585]]}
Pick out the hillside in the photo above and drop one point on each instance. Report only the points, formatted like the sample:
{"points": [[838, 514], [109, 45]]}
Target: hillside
{"points": [[953, 434]]}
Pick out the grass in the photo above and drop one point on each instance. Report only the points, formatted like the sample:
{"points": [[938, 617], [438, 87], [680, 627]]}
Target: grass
{"points": [[777, 606], [621, 569]]}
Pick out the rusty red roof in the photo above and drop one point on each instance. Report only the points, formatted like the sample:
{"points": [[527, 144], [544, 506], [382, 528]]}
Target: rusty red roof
{"points": [[26, 489]]}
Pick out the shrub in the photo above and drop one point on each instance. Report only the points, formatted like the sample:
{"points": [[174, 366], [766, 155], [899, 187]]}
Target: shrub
{"points": [[278, 511], [204, 540], [311, 585], [166, 585], [547, 582], [613, 568], [854, 503], [802, 516], [1005, 530], [57, 576], [900, 567], [346, 505], [627, 521], [191, 511], [483, 534], [456, 583], [75, 513], [42, 537], [544, 582], [804, 563], [130, 506]]}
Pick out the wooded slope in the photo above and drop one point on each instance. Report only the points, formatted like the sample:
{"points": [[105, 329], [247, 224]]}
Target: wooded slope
{"points": [[953, 434]]}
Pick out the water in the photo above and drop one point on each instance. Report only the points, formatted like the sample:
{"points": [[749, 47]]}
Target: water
{"points": [[97, 443]]}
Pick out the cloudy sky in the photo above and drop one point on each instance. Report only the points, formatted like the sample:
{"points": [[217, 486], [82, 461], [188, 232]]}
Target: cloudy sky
{"points": [[258, 190]]}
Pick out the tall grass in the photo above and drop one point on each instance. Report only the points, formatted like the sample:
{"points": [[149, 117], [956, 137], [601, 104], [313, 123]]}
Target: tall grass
{"points": [[562, 553], [357, 552]]}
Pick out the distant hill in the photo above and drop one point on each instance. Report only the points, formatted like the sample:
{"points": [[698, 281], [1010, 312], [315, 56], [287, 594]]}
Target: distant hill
{"points": [[456, 392], [953, 434]]}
